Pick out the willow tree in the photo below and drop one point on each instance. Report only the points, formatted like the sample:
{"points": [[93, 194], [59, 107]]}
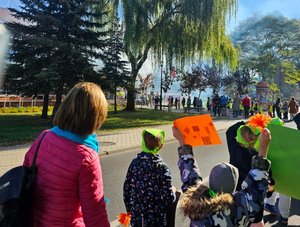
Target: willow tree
{"points": [[177, 30]]}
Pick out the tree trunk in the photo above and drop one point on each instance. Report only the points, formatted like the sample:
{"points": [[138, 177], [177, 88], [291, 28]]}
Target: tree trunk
{"points": [[130, 105], [45, 106], [199, 94], [59, 94], [115, 109], [136, 64]]}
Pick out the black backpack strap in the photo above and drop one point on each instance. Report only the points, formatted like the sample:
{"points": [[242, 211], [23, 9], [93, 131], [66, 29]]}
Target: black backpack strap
{"points": [[37, 150]]}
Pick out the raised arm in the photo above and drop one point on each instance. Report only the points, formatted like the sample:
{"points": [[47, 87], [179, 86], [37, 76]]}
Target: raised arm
{"points": [[189, 171], [239, 156], [250, 199], [232, 144]]}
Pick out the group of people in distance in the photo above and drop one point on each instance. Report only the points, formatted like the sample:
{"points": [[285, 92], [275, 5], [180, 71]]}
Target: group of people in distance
{"points": [[69, 186]]}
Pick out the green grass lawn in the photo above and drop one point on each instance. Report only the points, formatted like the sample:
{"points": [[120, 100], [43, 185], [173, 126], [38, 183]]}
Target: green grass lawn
{"points": [[23, 128]]}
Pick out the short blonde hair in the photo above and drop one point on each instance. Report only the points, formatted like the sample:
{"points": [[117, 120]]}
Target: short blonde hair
{"points": [[83, 110]]}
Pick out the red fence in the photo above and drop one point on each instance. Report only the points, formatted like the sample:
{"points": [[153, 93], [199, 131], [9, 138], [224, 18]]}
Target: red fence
{"points": [[18, 101]]}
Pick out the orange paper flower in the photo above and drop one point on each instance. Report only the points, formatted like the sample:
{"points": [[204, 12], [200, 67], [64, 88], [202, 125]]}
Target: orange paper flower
{"points": [[259, 121], [124, 218]]}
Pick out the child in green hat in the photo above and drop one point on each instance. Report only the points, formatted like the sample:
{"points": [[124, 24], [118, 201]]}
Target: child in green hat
{"points": [[148, 191]]}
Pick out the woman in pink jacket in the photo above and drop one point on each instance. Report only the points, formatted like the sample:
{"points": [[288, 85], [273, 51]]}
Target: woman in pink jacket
{"points": [[69, 186]]}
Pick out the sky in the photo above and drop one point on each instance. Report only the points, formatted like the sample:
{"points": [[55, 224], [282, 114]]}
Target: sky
{"points": [[246, 8]]}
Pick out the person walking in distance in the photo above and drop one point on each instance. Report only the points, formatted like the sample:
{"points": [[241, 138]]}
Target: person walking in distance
{"points": [[208, 105], [293, 107], [217, 105], [236, 105], [246, 102]]}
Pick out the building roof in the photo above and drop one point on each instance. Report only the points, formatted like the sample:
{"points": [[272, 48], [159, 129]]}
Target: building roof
{"points": [[262, 84]]}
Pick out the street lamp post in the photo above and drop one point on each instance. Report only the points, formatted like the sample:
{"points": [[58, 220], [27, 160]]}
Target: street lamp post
{"points": [[161, 72]]}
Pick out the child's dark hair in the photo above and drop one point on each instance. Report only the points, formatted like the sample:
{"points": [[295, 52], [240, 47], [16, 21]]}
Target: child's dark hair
{"points": [[152, 142]]}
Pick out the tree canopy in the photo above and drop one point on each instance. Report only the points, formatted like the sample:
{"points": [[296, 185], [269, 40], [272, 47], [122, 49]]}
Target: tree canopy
{"points": [[194, 81], [175, 31], [269, 42], [60, 40], [115, 73], [239, 81], [55, 47]]}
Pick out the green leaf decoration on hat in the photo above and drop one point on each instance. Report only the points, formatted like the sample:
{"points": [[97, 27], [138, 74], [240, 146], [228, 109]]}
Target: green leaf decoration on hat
{"points": [[155, 133], [211, 193], [276, 121]]}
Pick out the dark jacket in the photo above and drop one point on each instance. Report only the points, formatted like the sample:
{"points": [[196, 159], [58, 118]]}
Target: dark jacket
{"points": [[247, 203], [239, 156], [296, 119], [148, 190], [217, 100]]}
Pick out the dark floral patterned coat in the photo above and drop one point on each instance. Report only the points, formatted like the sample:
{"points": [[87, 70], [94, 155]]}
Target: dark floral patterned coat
{"points": [[148, 191]]}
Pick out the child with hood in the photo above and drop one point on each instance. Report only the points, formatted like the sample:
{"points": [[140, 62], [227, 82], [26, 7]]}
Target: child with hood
{"points": [[240, 153], [218, 204], [147, 190], [243, 144]]}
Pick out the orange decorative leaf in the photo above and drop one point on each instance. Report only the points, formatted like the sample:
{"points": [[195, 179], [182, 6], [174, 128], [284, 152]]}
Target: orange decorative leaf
{"points": [[124, 218], [259, 121]]}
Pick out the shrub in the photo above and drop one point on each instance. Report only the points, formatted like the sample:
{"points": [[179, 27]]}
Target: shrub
{"points": [[22, 109]]}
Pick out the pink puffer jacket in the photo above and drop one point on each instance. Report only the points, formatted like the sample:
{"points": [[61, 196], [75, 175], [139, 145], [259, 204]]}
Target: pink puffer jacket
{"points": [[69, 186]]}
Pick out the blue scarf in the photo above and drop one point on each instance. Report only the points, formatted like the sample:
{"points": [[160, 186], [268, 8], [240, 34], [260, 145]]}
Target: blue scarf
{"points": [[89, 141]]}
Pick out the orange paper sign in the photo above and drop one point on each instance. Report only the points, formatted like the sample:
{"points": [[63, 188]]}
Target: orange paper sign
{"points": [[198, 130]]}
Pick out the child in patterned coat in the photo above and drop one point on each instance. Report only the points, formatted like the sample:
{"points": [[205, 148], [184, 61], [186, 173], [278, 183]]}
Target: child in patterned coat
{"points": [[147, 190], [218, 204]]}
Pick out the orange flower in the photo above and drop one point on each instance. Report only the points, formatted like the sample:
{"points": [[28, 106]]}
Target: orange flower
{"points": [[259, 121], [124, 218]]}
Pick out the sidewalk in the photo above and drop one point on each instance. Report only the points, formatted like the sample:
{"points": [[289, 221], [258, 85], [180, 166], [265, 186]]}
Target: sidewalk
{"points": [[110, 143]]}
